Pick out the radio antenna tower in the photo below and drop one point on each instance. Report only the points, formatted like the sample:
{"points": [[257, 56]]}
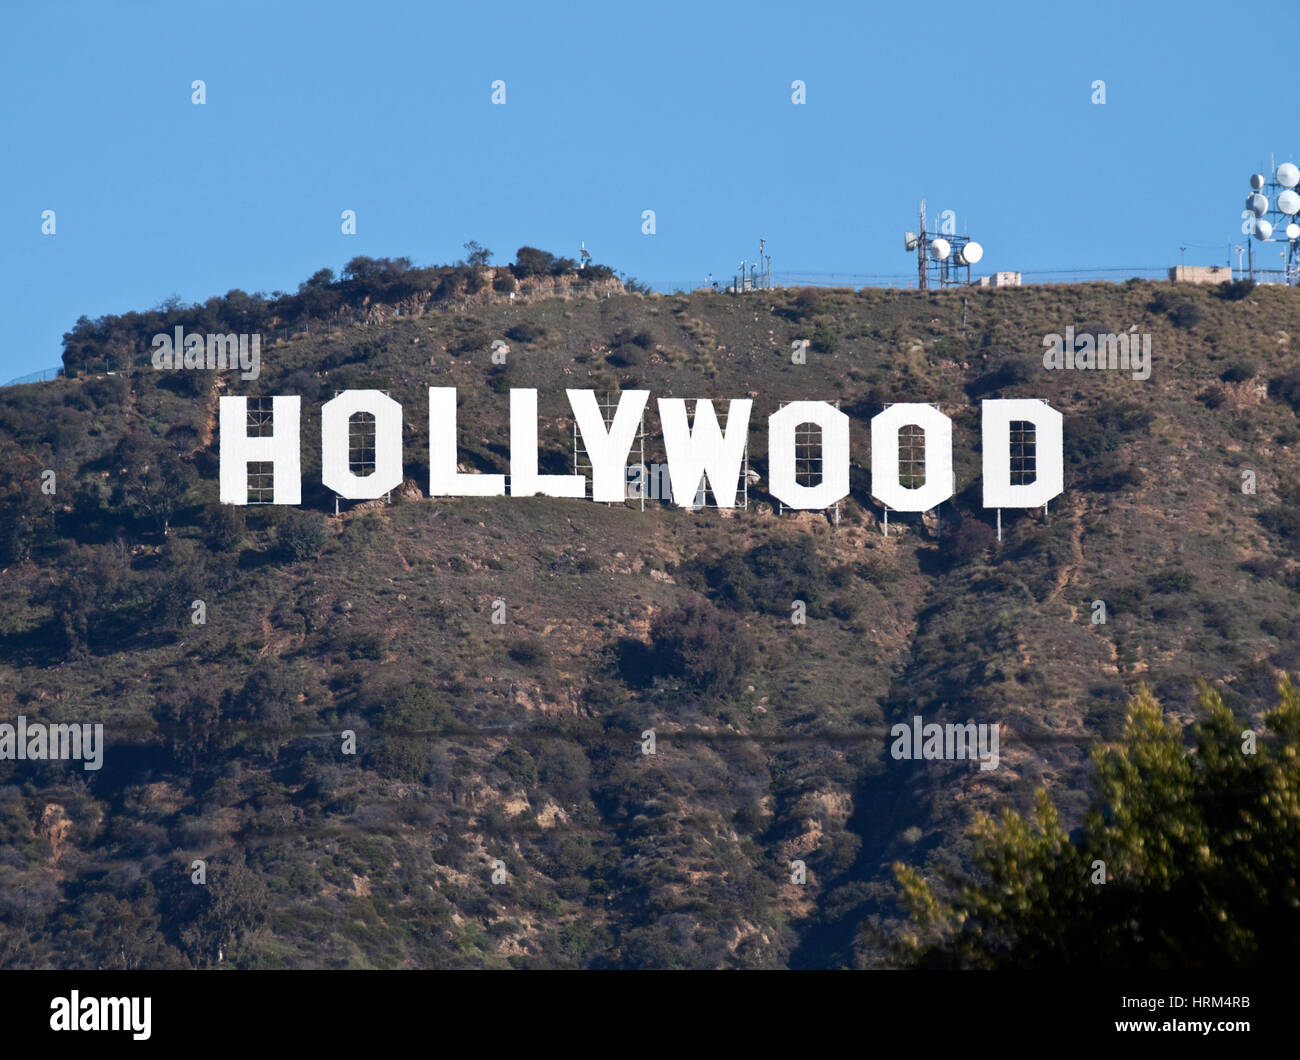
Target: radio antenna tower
{"points": [[920, 251], [947, 255]]}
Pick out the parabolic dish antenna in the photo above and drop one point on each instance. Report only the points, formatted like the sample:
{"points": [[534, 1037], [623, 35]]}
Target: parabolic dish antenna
{"points": [[1288, 175], [1257, 181], [971, 253], [1263, 229], [1293, 231], [1257, 204], [939, 249], [1288, 202]]}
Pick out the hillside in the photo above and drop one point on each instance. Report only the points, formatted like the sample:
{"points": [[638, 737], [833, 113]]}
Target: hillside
{"points": [[522, 741]]}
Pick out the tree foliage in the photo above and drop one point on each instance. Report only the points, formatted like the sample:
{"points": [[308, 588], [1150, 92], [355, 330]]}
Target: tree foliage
{"points": [[1199, 846], [703, 645], [154, 478], [302, 534]]}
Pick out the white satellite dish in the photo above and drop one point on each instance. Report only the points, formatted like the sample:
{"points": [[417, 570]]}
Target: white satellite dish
{"points": [[1263, 230], [1288, 202], [910, 240], [1257, 181], [1288, 175], [1293, 231], [971, 253], [940, 249], [1257, 204]]}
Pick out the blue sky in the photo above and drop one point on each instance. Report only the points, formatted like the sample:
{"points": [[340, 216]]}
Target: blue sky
{"points": [[611, 109]]}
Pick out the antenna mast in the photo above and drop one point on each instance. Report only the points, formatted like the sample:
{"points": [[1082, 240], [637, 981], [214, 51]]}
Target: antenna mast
{"points": [[920, 251]]}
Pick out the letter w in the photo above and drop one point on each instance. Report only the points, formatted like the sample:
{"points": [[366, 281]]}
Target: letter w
{"points": [[694, 451]]}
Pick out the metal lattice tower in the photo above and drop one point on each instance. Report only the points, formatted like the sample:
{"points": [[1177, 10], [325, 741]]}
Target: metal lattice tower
{"points": [[1288, 249], [957, 254]]}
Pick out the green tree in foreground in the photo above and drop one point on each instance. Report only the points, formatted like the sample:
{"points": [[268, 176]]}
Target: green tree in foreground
{"points": [[1201, 853]]}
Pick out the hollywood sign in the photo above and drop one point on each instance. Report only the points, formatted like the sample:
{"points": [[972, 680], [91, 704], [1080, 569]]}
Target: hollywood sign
{"points": [[694, 450]]}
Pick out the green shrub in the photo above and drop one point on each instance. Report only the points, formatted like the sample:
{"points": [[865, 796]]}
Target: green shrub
{"points": [[703, 645], [628, 356], [1175, 581], [823, 339], [1239, 371], [527, 652], [1287, 388], [225, 526], [970, 541], [1187, 315], [526, 331], [1235, 290], [360, 532], [519, 766], [364, 645], [302, 535], [766, 578]]}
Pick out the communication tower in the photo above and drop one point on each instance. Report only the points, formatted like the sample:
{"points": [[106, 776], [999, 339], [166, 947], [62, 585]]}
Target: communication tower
{"points": [[943, 257], [1271, 212]]}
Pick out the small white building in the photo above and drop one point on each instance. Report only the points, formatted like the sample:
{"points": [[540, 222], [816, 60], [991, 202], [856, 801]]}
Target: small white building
{"points": [[1200, 274], [1001, 279]]}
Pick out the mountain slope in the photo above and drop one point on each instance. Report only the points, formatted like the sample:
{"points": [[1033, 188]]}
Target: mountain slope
{"points": [[522, 741]]}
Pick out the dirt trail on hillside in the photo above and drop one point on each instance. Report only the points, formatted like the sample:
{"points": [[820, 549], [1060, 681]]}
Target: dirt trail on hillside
{"points": [[1076, 549], [209, 429], [1078, 509]]}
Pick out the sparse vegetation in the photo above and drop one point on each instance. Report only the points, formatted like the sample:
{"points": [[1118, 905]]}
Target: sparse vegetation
{"points": [[471, 736]]}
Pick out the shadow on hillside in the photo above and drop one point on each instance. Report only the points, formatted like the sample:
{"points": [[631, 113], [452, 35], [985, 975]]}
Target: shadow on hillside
{"points": [[42, 645], [637, 662], [252, 559]]}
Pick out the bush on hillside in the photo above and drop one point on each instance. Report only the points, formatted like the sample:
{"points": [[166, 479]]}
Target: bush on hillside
{"points": [[302, 535], [702, 645]]}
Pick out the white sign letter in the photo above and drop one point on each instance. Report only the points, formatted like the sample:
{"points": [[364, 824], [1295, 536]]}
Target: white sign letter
{"points": [[608, 448], [694, 451], [524, 479], [335, 457], [1049, 454], [885, 486], [280, 449], [444, 479], [781, 428]]}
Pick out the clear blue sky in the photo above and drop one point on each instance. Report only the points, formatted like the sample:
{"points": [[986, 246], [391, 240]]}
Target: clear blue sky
{"points": [[385, 108]]}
